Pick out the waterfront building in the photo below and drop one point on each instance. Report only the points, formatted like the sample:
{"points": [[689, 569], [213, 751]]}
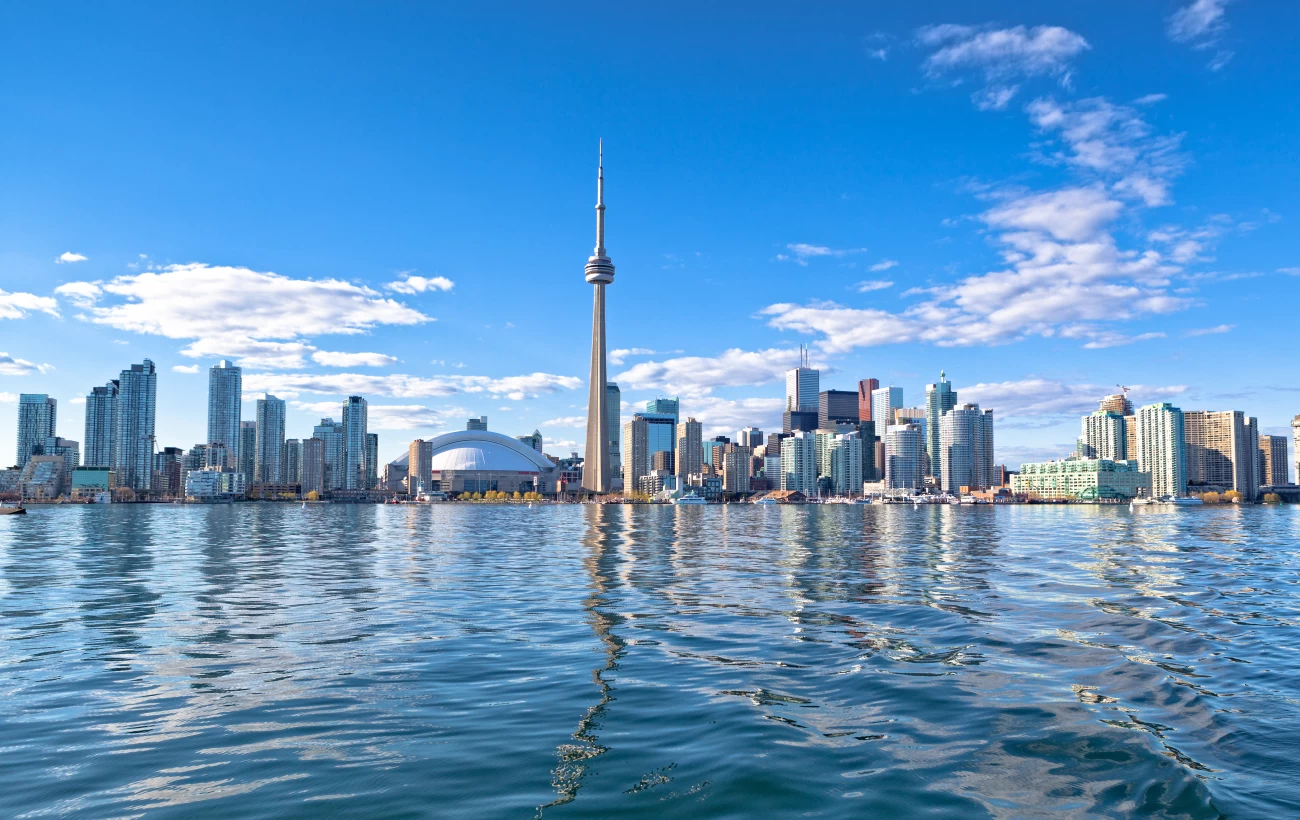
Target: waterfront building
{"points": [[661, 433], [690, 435], [794, 421], [419, 456], [167, 469], [916, 417], [1082, 479], [1160, 448], [736, 460], [1105, 435], [939, 399], [636, 451], [292, 461], [846, 463], [599, 272], [268, 461], [394, 478], [1116, 403], [42, 478], [614, 410], [356, 470], [802, 384], [836, 407], [1273, 466], [867, 432], [966, 449], [904, 457], [215, 484], [1222, 452], [662, 461], [884, 401], [101, 424], [133, 438], [92, 484], [372, 461], [750, 437], [772, 468], [534, 440], [713, 450], [246, 451], [799, 462], [70, 451], [37, 420], [479, 423], [478, 461], [330, 432], [865, 388], [313, 465], [1295, 444], [225, 397], [11, 483]]}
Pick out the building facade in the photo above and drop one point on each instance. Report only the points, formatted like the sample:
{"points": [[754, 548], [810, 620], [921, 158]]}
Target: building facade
{"points": [[690, 442], [356, 471], [268, 462], [1082, 479], [904, 457], [799, 462], [736, 465], [636, 451], [1104, 435], [330, 433], [313, 466], [1160, 448], [133, 439], [884, 401], [846, 463], [1274, 470], [614, 410], [372, 461], [38, 416], [101, 424], [246, 451], [966, 449], [292, 461], [225, 397], [865, 388], [837, 407], [1222, 452], [802, 384], [939, 399]]}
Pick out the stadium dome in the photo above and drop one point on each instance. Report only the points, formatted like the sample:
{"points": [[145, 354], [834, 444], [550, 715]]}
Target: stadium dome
{"points": [[477, 460]]}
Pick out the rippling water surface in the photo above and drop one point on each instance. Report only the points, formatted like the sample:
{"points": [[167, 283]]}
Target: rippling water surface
{"points": [[261, 660]]}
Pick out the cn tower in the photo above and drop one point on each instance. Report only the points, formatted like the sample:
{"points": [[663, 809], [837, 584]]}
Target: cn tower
{"points": [[600, 272]]}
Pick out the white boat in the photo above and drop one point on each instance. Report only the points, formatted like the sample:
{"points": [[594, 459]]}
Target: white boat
{"points": [[766, 501], [862, 500], [1165, 501], [690, 500]]}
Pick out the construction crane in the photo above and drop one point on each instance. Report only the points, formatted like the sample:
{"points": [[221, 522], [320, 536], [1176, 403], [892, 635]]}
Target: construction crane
{"points": [[1125, 389]]}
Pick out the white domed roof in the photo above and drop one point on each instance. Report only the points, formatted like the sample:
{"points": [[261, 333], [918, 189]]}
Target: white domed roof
{"points": [[483, 450]]}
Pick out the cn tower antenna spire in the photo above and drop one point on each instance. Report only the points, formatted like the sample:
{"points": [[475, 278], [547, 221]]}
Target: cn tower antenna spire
{"points": [[600, 199]]}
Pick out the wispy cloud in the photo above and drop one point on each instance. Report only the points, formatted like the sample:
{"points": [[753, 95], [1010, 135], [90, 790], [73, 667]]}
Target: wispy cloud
{"points": [[19, 305], [1201, 25], [10, 366], [700, 375], [566, 421], [334, 359], [873, 284], [1209, 331], [1001, 55], [67, 257], [419, 284], [801, 252], [515, 388], [883, 265], [1036, 397]]}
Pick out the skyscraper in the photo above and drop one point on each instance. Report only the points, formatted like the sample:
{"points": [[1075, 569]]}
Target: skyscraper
{"points": [[799, 462], [802, 385], [614, 398], [596, 477], [668, 407], [939, 399], [330, 433], [355, 426], [246, 460], [966, 448], [101, 424], [884, 401], [865, 388], [690, 441], [1160, 448], [372, 461], [661, 433], [1222, 451], [750, 437], [636, 452], [1295, 445], [846, 463], [313, 465], [1117, 403], [133, 437], [419, 465], [268, 461], [225, 392], [37, 419], [476, 423], [836, 407], [1105, 435], [292, 461], [904, 457], [1274, 469]]}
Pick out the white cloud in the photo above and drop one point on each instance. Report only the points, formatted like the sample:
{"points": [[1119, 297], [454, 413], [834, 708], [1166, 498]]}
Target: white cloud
{"points": [[77, 400], [694, 376], [1290, 271], [1001, 55], [420, 284], [1072, 214], [515, 388], [873, 284], [1208, 331], [1101, 340], [18, 305], [332, 359], [725, 416], [81, 294], [68, 256], [185, 368], [1202, 20], [262, 319], [566, 421], [389, 416], [1220, 59], [1151, 99], [8, 398], [801, 252], [1047, 397], [883, 265], [10, 366], [619, 355]]}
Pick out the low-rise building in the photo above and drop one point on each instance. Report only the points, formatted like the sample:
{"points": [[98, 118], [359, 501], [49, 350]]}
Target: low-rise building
{"points": [[93, 483], [1081, 479], [42, 478], [215, 484]]}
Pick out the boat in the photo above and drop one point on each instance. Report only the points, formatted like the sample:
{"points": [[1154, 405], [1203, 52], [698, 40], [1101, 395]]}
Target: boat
{"points": [[1165, 501], [766, 501], [863, 500], [690, 500], [19, 510]]}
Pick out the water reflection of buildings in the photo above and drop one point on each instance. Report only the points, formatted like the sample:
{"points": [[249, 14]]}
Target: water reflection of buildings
{"points": [[604, 535]]}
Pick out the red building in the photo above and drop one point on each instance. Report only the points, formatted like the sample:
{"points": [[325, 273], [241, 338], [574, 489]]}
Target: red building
{"points": [[864, 398]]}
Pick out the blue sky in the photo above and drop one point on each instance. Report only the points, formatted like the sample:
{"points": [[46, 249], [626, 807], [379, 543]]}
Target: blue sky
{"points": [[1045, 201]]}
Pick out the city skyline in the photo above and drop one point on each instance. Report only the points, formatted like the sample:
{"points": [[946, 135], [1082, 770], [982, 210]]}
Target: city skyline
{"points": [[1110, 164]]}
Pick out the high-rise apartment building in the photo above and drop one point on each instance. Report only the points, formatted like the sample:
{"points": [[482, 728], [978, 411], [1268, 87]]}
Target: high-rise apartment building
{"points": [[1274, 470], [904, 457], [1222, 451], [836, 407], [419, 465], [372, 461], [636, 451], [916, 416], [246, 452], [101, 424], [333, 447], [356, 471], [799, 462], [70, 451], [614, 409], [661, 433], [802, 385], [313, 465], [736, 465], [1160, 448], [268, 459], [1295, 445], [225, 394], [870, 466], [292, 461], [939, 399], [846, 463], [1117, 403], [966, 449], [133, 437], [37, 419], [865, 388], [884, 401], [1105, 435], [690, 440], [750, 437]]}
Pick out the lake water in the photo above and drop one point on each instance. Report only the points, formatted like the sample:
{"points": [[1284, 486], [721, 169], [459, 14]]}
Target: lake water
{"points": [[260, 660]]}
